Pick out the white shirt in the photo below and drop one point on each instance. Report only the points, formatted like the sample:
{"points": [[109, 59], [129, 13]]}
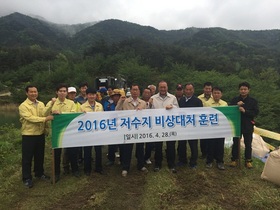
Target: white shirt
{"points": [[159, 102]]}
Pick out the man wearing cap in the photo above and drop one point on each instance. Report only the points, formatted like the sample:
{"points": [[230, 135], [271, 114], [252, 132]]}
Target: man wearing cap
{"points": [[91, 105], [146, 95], [179, 93], [70, 155], [103, 94], [110, 105]]}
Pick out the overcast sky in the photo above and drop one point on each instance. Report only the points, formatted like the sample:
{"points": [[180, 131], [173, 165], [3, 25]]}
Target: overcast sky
{"points": [[161, 14]]}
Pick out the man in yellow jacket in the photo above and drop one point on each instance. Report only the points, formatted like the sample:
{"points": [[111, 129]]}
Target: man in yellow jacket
{"points": [[60, 105], [216, 145], [33, 122], [91, 105]]}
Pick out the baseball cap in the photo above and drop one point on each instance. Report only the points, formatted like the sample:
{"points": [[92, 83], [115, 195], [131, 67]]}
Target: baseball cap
{"points": [[179, 87], [72, 89], [102, 90], [122, 92], [116, 92]]}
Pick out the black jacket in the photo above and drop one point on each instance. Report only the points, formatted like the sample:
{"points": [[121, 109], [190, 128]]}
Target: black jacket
{"points": [[251, 111], [192, 102]]}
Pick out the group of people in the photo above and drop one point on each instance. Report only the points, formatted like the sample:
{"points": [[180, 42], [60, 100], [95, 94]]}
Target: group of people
{"points": [[34, 116]]}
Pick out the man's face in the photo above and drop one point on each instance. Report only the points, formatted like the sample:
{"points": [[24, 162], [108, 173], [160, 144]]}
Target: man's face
{"points": [[162, 88], [179, 92], [135, 92], [71, 95], [110, 90], [91, 97], [146, 94], [217, 95], [116, 98], [153, 89], [32, 94], [83, 90], [62, 93], [244, 91], [189, 90], [207, 90]]}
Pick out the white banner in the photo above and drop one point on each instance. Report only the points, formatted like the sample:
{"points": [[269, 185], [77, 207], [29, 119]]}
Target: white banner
{"points": [[150, 125]]}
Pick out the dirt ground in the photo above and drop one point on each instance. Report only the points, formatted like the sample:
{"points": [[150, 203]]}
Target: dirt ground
{"points": [[188, 189], [202, 188]]}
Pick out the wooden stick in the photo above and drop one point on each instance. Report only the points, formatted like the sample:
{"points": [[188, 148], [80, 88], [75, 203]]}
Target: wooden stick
{"points": [[239, 153], [53, 168]]}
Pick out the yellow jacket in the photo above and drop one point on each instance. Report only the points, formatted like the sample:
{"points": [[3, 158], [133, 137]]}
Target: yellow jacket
{"points": [[64, 107], [86, 107], [204, 99], [77, 106], [211, 102], [32, 117]]}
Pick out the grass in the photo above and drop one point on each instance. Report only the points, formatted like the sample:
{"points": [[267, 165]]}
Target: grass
{"points": [[201, 189], [8, 107]]}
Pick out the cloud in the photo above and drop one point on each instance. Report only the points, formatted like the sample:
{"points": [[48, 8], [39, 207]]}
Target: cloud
{"points": [[161, 14]]}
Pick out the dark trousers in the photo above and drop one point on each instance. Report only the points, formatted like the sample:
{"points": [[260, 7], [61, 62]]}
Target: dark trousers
{"points": [[126, 154], [111, 152], [88, 159], [71, 156], [215, 150], [80, 154], [33, 146], [148, 150], [248, 137], [158, 154], [170, 154], [203, 146], [182, 151]]}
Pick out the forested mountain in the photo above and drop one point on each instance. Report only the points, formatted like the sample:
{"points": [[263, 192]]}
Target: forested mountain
{"points": [[17, 30], [203, 48]]}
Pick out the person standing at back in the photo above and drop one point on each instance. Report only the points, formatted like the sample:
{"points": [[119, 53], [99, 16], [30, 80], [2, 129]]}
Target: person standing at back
{"points": [[146, 95], [153, 89], [204, 97], [179, 92], [70, 155], [82, 98], [249, 109], [33, 120], [110, 105], [164, 100]]}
